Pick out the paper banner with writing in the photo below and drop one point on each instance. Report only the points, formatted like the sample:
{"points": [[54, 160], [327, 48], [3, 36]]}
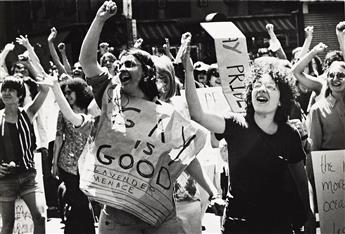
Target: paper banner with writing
{"points": [[329, 173], [211, 99], [135, 170], [232, 59], [22, 218]]}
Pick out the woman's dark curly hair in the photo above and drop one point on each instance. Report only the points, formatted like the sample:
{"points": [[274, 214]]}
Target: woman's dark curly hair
{"points": [[283, 78], [331, 56], [16, 83], [318, 63], [148, 82], [211, 71], [82, 91]]}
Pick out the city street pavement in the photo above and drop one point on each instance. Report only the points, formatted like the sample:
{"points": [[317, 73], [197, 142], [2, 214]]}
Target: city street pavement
{"points": [[210, 221]]}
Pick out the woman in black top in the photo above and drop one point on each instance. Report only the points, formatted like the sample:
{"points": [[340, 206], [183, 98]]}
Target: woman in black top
{"points": [[17, 145], [262, 148]]}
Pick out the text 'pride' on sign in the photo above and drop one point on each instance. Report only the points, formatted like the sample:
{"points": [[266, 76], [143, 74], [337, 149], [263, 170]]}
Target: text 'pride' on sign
{"points": [[233, 61]]}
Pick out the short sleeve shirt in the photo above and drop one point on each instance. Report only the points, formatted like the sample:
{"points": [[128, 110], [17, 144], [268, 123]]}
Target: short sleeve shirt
{"points": [[99, 84], [73, 144], [327, 124], [258, 160]]}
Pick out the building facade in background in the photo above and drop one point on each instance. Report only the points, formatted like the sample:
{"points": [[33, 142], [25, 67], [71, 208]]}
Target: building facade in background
{"points": [[157, 19]]}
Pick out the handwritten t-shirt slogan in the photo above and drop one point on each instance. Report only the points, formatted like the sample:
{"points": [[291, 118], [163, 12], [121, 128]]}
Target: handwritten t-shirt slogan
{"points": [[134, 170], [329, 172]]}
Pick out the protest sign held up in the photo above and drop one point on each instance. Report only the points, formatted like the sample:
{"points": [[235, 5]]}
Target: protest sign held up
{"points": [[232, 59], [329, 172], [211, 99], [23, 220]]}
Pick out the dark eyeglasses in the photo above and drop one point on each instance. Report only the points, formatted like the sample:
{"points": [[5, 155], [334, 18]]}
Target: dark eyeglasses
{"points": [[338, 75], [19, 67], [110, 60], [128, 64]]}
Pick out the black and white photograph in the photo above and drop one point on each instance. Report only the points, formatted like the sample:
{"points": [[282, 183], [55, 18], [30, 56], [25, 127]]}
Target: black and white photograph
{"points": [[172, 116]]}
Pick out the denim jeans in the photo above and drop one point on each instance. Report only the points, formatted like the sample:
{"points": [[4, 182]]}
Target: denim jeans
{"points": [[18, 185]]}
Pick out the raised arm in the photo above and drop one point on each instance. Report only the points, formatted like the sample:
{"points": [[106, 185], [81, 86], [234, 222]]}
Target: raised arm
{"points": [[33, 107], [88, 52], [212, 122], [35, 73], [307, 42], [75, 118], [306, 80], [340, 31], [38, 71], [66, 64], [35, 62], [8, 47], [275, 45], [184, 40], [53, 53], [138, 43], [166, 48]]}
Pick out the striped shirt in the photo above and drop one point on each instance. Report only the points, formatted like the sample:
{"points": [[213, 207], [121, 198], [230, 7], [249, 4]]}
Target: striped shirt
{"points": [[27, 140]]}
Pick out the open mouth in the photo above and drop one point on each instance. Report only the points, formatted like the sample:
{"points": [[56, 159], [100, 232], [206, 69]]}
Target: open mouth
{"points": [[77, 73], [124, 77], [336, 83], [261, 99]]}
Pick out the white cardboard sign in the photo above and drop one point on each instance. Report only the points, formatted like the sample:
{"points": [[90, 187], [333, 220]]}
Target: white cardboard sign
{"points": [[211, 99], [329, 173], [232, 59]]}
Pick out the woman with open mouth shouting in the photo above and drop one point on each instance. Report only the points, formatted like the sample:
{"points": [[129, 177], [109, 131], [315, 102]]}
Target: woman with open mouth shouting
{"points": [[327, 127], [264, 151], [141, 145]]}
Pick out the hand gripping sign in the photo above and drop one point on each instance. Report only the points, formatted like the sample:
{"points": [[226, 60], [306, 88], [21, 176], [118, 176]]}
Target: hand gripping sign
{"points": [[134, 170], [232, 59]]}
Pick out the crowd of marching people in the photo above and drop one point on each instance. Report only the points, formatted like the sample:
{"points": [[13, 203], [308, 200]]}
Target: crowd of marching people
{"points": [[122, 117]]}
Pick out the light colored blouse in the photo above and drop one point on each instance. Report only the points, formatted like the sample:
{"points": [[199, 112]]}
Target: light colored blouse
{"points": [[327, 124]]}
